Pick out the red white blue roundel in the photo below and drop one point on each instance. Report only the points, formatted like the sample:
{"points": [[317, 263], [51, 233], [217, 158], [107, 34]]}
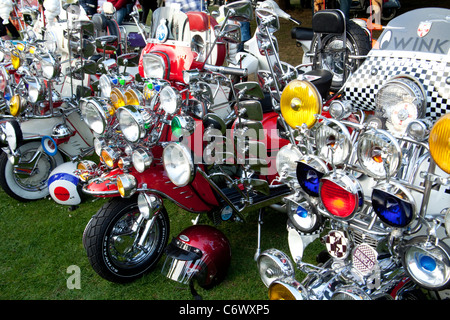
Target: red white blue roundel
{"points": [[337, 244], [62, 184]]}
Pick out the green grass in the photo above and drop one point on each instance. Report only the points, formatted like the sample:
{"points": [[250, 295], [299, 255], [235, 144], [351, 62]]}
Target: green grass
{"points": [[41, 239]]}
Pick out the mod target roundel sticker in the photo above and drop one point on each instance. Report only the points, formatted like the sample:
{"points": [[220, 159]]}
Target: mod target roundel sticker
{"points": [[337, 244]]}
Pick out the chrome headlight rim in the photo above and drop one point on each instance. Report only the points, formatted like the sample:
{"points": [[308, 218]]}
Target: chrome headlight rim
{"points": [[131, 123], [170, 99], [148, 204], [427, 262], [387, 194], [154, 66], [274, 264], [350, 292], [287, 158], [292, 287], [302, 213], [370, 153], [105, 84], [95, 113], [170, 167], [347, 183], [48, 66], [141, 159], [35, 89], [134, 97], [312, 167], [411, 103], [339, 144], [126, 185], [110, 156]]}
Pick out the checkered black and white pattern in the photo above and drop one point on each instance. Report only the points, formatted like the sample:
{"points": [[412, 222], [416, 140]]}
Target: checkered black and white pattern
{"points": [[337, 244], [187, 5], [432, 70]]}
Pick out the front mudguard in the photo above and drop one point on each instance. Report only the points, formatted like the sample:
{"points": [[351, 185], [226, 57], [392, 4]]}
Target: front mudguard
{"points": [[195, 197]]}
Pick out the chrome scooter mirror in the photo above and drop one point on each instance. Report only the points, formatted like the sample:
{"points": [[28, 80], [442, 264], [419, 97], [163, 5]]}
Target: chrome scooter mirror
{"points": [[267, 20], [230, 33], [240, 11], [249, 89]]}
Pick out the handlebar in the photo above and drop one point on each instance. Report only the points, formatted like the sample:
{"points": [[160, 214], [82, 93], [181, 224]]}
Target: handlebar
{"points": [[227, 70]]}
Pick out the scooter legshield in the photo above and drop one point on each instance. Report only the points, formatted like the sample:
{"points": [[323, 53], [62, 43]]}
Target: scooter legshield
{"points": [[195, 197]]}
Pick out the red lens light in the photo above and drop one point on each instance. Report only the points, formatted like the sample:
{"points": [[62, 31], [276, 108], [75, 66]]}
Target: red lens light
{"points": [[338, 201]]}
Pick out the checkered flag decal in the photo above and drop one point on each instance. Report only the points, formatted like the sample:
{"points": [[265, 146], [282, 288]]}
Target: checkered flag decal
{"points": [[337, 244], [432, 70]]}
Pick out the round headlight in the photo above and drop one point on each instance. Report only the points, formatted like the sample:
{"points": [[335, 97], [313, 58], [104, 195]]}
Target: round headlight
{"points": [[333, 142], [3, 78], [131, 123], [117, 97], [274, 264], [126, 184], [427, 262], [309, 173], [287, 158], [170, 99], [182, 126], [393, 204], [178, 164], [95, 113], [141, 159], [399, 101], [110, 156], [378, 150], [341, 194], [15, 59], [303, 215], [439, 142], [154, 66], [340, 109], [300, 101], [99, 144], [134, 97], [148, 204], [16, 105], [36, 89], [287, 289], [105, 84], [48, 66]]}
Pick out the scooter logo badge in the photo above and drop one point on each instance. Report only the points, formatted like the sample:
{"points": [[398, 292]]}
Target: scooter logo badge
{"points": [[423, 29]]}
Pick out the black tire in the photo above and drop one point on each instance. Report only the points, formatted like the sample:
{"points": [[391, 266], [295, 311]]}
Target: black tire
{"points": [[28, 188], [358, 43], [116, 218]]}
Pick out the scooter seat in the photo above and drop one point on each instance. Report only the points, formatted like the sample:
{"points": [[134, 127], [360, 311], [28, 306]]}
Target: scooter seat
{"points": [[321, 79], [300, 33]]}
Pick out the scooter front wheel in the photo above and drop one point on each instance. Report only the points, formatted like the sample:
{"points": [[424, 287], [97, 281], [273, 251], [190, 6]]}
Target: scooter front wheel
{"points": [[27, 180], [113, 243]]}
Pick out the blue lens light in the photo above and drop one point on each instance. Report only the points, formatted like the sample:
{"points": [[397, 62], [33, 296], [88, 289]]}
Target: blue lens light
{"points": [[427, 263], [391, 210], [302, 212], [309, 179]]}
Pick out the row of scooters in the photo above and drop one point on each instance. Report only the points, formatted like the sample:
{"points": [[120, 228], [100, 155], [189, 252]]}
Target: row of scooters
{"points": [[351, 147]]}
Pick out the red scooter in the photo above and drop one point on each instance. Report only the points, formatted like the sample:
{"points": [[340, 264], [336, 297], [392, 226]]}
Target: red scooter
{"points": [[195, 138]]}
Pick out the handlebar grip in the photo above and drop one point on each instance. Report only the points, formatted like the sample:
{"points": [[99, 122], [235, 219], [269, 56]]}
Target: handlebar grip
{"points": [[227, 70]]}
